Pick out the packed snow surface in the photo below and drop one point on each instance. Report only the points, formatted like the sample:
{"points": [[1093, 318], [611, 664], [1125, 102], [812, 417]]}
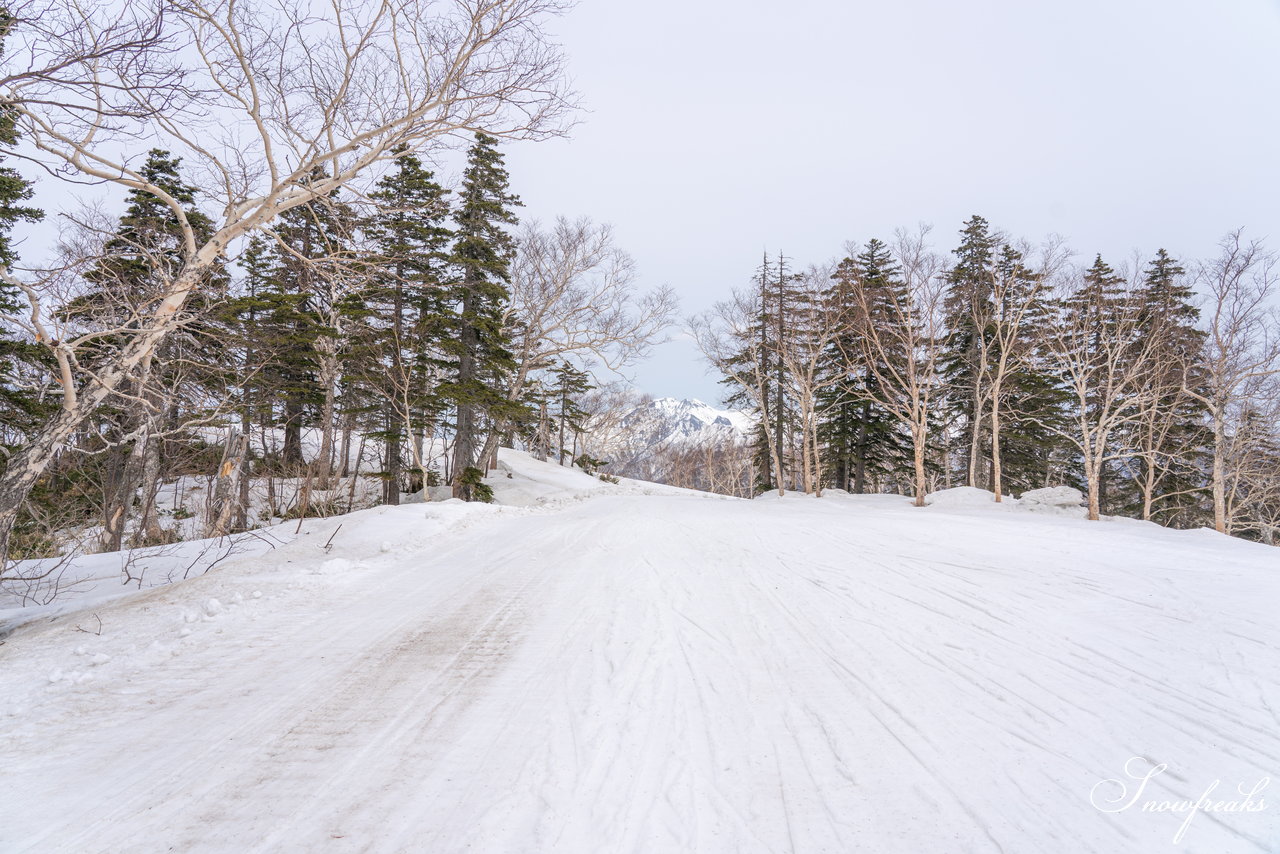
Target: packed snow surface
{"points": [[637, 669]]}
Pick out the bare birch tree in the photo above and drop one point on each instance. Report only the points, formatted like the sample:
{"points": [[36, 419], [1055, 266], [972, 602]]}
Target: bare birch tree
{"points": [[1017, 297], [814, 327], [726, 335], [1252, 463], [573, 293], [1107, 364], [1242, 345], [902, 337]]}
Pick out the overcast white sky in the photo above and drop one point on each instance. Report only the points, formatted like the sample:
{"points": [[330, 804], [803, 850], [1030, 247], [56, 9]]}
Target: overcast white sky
{"points": [[720, 128]]}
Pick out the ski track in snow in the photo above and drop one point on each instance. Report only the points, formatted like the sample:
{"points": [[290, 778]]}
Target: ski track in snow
{"points": [[664, 673]]}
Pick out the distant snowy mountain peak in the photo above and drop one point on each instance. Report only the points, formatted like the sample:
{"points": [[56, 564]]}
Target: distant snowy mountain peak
{"points": [[669, 424], [667, 420]]}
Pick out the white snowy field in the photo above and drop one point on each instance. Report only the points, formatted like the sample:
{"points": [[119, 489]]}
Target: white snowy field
{"points": [[641, 670]]}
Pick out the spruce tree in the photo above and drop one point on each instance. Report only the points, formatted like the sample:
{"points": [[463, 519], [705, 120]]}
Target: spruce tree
{"points": [[567, 387], [20, 360], [863, 441], [250, 338], [1170, 438], [969, 309], [147, 250], [308, 299], [482, 254], [1030, 396], [137, 263], [1098, 306], [409, 313], [763, 385]]}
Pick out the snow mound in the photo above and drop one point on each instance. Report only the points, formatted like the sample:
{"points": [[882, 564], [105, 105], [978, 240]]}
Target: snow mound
{"points": [[522, 481], [967, 497], [1055, 500]]}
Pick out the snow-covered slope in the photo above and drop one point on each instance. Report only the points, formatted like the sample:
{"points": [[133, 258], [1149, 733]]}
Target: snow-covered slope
{"points": [[608, 670]]}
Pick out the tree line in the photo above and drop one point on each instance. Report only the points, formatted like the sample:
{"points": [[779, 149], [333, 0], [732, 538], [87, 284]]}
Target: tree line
{"points": [[291, 294], [415, 324], [1004, 366]]}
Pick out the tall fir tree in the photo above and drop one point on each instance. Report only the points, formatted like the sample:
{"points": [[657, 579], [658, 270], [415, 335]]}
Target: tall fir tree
{"points": [[306, 291], [969, 309], [21, 361], [409, 315], [764, 384], [1170, 439], [1099, 306], [137, 263], [482, 255], [246, 320], [567, 387], [863, 442], [1031, 398]]}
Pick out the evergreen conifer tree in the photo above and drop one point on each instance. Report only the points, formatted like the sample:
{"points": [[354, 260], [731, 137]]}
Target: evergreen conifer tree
{"points": [[138, 261], [969, 310], [409, 312], [1170, 439], [1098, 307], [1030, 397], [763, 385], [482, 254], [862, 440], [20, 408], [569, 384], [307, 292]]}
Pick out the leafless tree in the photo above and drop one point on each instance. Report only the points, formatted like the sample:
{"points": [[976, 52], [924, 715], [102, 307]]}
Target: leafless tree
{"points": [[1097, 344], [1242, 345], [574, 294], [1252, 463], [259, 98], [814, 327], [901, 339], [727, 338], [607, 407], [1017, 297], [722, 466]]}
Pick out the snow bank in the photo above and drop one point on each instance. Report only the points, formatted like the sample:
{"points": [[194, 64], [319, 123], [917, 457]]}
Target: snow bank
{"points": [[968, 497], [1054, 500], [89, 581], [1050, 501], [522, 481]]}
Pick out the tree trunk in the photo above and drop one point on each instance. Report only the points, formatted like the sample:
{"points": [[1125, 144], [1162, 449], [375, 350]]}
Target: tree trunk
{"points": [[860, 453], [1148, 483], [227, 495], [997, 472], [1092, 476], [149, 531], [464, 438], [975, 424], [344, 456], [291, 452], [391, 483], [121, 497], [323, 463], [918, 438], [489, 455], [544, 433], [1219, 474]]}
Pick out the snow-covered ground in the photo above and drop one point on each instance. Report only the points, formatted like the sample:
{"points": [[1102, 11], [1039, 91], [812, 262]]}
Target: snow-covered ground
{"points": [[626, 668]]}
